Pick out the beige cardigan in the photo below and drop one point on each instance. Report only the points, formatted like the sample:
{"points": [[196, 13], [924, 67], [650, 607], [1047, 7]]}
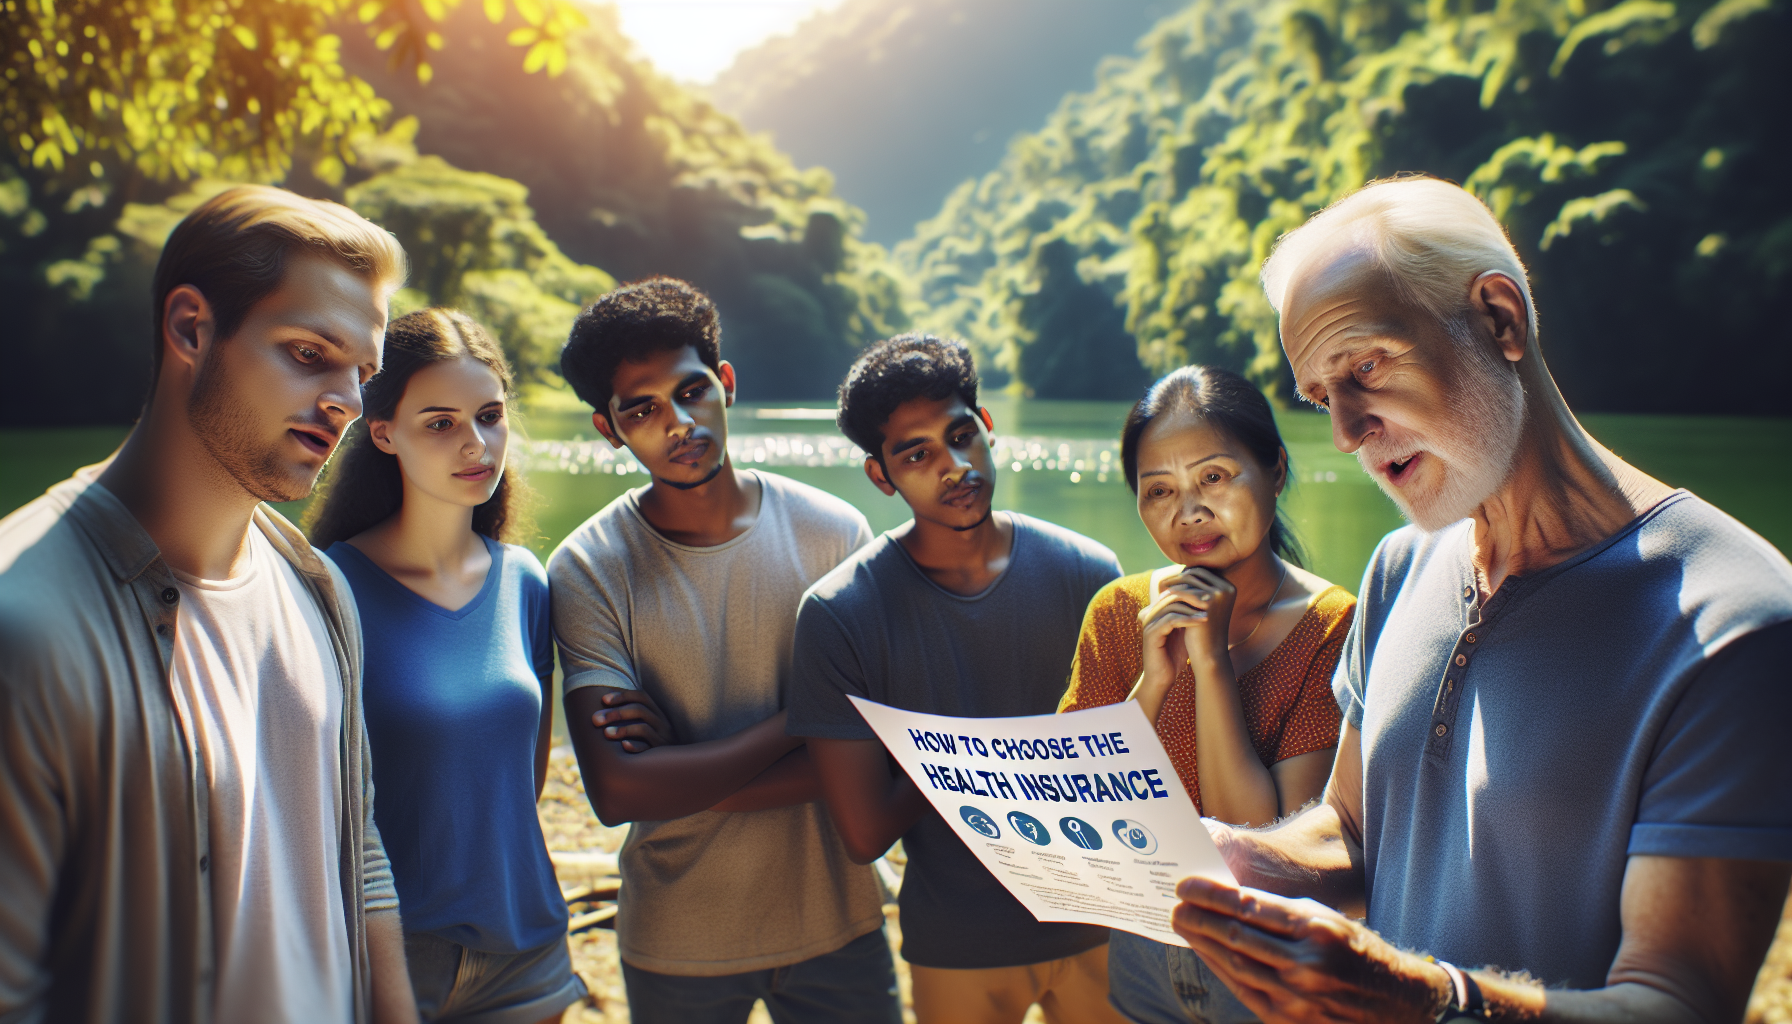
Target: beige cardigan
{"points": [[105, 901]]}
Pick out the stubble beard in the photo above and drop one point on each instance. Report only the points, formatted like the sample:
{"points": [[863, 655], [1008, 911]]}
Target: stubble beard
{"points": [[228, 429], [1475, 446]]}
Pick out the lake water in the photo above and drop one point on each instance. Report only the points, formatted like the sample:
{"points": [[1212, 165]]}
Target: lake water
{"points": [[1741, 465]]}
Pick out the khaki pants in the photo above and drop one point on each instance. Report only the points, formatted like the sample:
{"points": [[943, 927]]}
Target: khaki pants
{"points": [[1073, 990]]}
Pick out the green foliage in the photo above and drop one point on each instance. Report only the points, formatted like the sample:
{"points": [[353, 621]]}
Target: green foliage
{"points": [[474, 244], [633, 173], [182, 88], [630, 172], [1632, 149]]}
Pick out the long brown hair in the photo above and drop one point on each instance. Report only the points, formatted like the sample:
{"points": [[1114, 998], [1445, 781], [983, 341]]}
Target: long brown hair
{"points": [[364, 486]]}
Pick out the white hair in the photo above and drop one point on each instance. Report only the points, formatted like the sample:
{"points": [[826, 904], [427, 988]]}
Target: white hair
{"points": [[1433, 239]]}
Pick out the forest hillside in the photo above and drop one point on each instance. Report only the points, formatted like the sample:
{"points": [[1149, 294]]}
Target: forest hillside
{"points": [[903, 99], [1635, 150], [518, 194]]}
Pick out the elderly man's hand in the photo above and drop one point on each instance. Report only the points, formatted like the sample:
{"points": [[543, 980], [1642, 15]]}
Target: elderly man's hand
{"points": [[1298, 960]]}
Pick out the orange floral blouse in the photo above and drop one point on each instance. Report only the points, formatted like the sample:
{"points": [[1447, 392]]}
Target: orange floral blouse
{"points": [[1289, 709]]}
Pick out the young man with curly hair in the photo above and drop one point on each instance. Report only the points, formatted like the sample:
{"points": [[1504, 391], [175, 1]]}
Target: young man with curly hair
{"points": [[961, 611], [736, 886]]}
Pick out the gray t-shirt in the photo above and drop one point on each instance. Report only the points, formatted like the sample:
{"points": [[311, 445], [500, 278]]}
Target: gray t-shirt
{"points": [[1631, 700], [878, 628], [706, 632]]}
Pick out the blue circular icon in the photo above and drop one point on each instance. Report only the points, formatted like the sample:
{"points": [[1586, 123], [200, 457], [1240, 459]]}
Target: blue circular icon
{"points": [[1029, 828], [1080, 833], [1135, 836], [980, 823]]}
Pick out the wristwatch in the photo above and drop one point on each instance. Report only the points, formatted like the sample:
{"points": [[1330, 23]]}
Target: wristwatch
{"points": [[1465, 1005]]}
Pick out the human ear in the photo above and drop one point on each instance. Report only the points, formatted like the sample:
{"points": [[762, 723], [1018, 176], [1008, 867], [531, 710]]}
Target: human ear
{"points": [[1281, 470], [725, 374], [875, 471], [602, 422], [380, 433], [187, 325], [1498, 298]]}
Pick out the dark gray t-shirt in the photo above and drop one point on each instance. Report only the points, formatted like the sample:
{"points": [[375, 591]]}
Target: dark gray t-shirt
{"points": [[1631, 700], [878, 628]]}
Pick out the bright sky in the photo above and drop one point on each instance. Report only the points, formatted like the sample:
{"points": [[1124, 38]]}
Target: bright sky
{"points": [[694, 40]]}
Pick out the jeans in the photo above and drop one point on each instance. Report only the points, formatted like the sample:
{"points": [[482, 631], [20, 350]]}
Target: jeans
{"points": [[1152, 982], [855, 984]]}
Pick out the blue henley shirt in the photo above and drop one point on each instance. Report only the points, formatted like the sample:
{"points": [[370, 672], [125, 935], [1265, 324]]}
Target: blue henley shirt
{"points": [[1631, 700]]}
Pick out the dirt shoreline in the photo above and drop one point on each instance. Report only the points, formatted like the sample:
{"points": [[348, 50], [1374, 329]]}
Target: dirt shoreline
{"points": [[570, 827]]}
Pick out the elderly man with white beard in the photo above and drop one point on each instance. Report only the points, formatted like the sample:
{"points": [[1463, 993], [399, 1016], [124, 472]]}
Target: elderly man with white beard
{"points": [[1565, 691]]}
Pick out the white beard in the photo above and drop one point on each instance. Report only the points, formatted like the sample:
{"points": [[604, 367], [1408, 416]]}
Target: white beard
{"points": [[1474, 447]]}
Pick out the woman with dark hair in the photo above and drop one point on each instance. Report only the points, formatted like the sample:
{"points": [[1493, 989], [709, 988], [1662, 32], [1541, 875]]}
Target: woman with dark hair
{"points": [[459, 672], [1229, 649]]}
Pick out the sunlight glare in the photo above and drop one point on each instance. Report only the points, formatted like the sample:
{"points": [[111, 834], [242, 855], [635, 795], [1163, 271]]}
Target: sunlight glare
{"points": [[695, 40]]}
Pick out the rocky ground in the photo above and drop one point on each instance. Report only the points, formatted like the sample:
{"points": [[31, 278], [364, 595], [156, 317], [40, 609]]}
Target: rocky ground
{"points": [[584, 851]]}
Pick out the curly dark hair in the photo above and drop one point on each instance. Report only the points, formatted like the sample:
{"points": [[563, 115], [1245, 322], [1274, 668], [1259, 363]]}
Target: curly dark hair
{"points": [[363, 486], [660, 314], [892, 372]]}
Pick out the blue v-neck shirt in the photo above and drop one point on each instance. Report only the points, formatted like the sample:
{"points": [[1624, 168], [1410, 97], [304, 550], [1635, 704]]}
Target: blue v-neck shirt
{"points": [[453, 707]]}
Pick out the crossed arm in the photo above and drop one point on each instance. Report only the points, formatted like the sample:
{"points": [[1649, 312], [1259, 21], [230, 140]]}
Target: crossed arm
{"points": [[633, 772], [1694, 931]]}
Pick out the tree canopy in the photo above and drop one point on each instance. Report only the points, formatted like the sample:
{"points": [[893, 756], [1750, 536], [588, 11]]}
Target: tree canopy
{"points": [[551, 151], [1633, 149]]}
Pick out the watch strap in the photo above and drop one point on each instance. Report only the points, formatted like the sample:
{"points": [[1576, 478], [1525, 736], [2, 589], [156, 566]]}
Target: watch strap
{"points": [[1466, 1003]]}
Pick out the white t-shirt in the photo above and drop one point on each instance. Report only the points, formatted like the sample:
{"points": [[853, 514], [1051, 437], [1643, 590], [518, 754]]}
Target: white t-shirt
{"points": [[706, 632], [259, 686]]}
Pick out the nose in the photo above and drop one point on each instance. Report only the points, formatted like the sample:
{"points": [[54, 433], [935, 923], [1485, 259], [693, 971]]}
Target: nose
{"points": [[1352, 423], [341, 401], [476, 443], [961, 465], [1193, 510], [682, 422]]}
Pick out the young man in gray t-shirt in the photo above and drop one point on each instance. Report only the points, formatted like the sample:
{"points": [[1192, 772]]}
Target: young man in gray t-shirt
{"points": [[962, 611], [736, 887]]}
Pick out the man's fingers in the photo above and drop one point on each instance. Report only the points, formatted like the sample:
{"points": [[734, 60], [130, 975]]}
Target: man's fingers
{"points": [[1254, 944], [1278, 915], [627, 713]]}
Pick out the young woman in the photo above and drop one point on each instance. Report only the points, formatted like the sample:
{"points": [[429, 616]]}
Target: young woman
{"points": [[1229, 650], [459, 673]]}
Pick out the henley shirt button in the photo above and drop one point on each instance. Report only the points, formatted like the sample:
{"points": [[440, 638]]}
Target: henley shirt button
{"points": [[1470, 638], [205, 861], [1442, 728], [1461, 659], [1468, 593], [162, 630], [170, 595]]}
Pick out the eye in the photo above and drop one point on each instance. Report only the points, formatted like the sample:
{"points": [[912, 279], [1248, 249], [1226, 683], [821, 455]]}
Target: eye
{"points": [[491, 417], [695, 393], [439, 425], [1156, 492], [306, 353], [1210, 477], [640, 412], [918, 455]]}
